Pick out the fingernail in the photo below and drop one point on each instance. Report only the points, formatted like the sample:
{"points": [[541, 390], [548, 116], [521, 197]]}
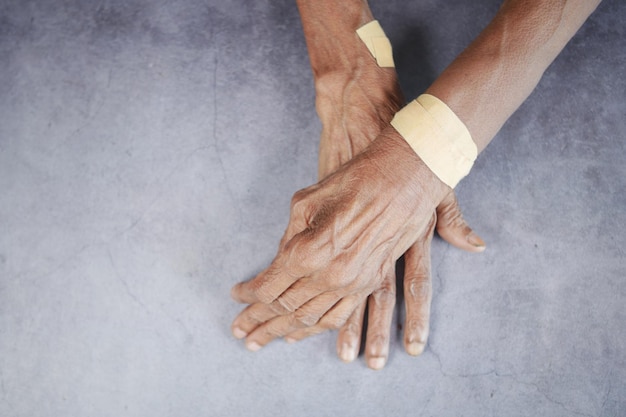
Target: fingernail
{"points": [[253, 346], [376, 363], [475, 240], [415, 348], [290, 340], [238, 333], [233, 293], [347, 353]]}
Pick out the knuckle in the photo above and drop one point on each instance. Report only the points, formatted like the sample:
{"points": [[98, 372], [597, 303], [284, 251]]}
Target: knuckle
{"points": [[332, 322], [418, 287], [311, 331], [305, 319], [385, 296], [449, 216], [299, 202], [282, 305], [304, 255], [255, 315], [262, 287], [263, 293], [341, 275], [352, 328]]}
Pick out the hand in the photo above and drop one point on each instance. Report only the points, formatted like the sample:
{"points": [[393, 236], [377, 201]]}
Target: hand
{"points": [[343, 238], [451, 226], [353, 110]]}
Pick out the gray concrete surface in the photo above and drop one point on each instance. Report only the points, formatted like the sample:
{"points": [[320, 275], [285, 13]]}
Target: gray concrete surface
{"points": [[148, 152]]}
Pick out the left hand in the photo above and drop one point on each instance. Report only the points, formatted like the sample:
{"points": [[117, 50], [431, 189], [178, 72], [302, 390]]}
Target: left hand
{"points": [[368, 100]]}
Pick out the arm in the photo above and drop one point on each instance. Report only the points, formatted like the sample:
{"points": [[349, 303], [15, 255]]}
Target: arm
{"points": [[345, 232], [488, 81], [355, 100]]}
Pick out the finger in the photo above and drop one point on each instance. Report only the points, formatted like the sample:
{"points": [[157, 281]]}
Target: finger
{"points": [[381, 304], [243, 292], [349, 337], [296, 260], [306, 316], [297, 295], [266, 286], [308, 287], [335, 318], [271, 282], [417, 293], [250, 318], [453, 228], [299, 215]]}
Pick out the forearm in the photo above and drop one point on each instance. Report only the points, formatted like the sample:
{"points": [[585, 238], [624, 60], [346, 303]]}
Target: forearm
{"points": [[355, 98], [486, 83], [330, 32]]}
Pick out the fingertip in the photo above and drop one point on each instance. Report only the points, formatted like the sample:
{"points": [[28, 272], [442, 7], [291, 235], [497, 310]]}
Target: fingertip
{"points": [[416, 337], [463, 238], [377, 362], [242, 294], [347, 352], [415, 348], [377, 351], [238, 332], [234, 293], [253, 346], [477, 243]]}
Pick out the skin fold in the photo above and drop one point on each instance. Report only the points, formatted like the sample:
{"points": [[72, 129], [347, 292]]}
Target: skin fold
{"points": [[355, 100], [346, 232]]}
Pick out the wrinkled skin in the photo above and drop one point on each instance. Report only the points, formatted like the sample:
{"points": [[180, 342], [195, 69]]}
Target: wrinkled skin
{"points": [[345, 234]]}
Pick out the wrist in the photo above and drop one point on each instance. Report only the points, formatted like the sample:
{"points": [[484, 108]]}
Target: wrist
{"points": [[404, 163], [357, 106]]}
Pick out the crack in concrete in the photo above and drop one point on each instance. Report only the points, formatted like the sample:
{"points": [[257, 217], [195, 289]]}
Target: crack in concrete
{"points": [[231, 193], [159, 193], [89, 119], [515, 378], [59, 265], [3, 387], [136, 299], [121, 279], [438, 268], [607, 395]]}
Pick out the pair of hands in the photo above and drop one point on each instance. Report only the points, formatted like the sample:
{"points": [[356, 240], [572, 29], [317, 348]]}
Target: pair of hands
{"points": [[376, 201]]}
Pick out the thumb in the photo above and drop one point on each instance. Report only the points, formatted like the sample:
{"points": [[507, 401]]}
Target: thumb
{"points": [[453, 228]]}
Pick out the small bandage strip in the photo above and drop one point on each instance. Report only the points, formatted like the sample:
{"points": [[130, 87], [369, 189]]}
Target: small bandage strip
{"points": [[377, 43], [438, 137]]}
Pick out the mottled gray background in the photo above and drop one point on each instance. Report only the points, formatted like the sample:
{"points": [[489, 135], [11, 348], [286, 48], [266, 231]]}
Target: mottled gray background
{"points": [[148, 153]]}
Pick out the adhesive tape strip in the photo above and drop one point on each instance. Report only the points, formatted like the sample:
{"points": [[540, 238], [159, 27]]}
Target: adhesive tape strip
{"points": [[374, 37], [438, 137]]}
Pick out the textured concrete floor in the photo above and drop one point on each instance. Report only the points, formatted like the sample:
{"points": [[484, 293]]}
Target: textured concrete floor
{"points": [[148, 153]]}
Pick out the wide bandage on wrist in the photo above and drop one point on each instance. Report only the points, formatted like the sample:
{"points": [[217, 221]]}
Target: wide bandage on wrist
{"points": [[438, 137], [377, 43]]}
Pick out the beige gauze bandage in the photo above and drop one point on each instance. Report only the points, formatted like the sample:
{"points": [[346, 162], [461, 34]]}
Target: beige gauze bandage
{"points": [[438, 137], [374, 37]]}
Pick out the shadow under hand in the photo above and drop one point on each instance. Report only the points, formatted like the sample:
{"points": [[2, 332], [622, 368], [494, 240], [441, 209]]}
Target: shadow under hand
{"points": [[411, 55]]}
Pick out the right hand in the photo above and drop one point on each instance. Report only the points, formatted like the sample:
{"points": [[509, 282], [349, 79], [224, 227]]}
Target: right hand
{"points": [[365, 106], [353, 110]]}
